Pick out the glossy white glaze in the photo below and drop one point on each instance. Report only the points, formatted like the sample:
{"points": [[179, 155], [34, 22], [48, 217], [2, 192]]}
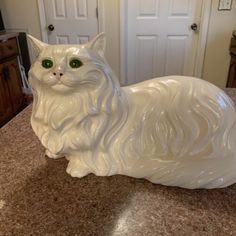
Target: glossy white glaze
{"points": [[175, 130]]}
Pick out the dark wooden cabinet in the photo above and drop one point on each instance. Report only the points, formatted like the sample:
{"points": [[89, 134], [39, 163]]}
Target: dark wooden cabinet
{"points": [[231, 82], [5, 102], [11, 96]]}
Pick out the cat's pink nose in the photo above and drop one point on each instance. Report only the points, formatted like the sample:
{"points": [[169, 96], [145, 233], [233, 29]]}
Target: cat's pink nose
{"points": [[58, 73]]}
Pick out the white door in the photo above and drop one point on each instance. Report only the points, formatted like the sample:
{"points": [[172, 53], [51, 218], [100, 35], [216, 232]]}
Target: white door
{"points": [[159, 38], [71, 21]]}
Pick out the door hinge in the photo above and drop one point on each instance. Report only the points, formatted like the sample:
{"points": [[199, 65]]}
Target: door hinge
{"points": [[97, 12]]}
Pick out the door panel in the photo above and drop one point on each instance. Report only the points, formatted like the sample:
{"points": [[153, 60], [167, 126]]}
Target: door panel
{"points": [[175, 54], [179, 8], [160, 39], [59, 7], [148, 8], [81, 9], [74, 21], [62, 39], [82, 39], [146, 56]]}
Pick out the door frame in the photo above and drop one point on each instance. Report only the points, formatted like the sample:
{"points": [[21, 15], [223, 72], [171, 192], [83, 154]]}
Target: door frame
{"points": [[42, 18], [201, 45]]}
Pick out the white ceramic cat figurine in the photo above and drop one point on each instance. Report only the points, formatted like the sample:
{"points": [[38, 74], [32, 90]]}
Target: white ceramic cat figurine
{"points": [[174, 130]]}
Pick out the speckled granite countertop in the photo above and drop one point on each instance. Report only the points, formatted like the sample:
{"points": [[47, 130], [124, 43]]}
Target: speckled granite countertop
{"points": [[37, 197]]}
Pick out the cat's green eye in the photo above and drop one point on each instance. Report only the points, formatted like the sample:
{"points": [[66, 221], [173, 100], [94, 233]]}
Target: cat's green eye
{"points": [[75, 63], [47, 63]]}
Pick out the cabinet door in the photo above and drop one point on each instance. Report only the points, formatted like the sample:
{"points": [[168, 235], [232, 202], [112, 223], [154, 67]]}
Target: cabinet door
{"points": [[232, 74], [14, 85], [6, 111]]}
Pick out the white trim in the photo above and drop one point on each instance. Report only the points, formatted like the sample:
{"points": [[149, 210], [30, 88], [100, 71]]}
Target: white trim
{"points": [[123, 33], [101, 16], [43, 22], [202, 41], [201, 47]]}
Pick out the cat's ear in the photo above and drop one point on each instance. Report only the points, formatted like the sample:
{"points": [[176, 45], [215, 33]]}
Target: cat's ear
{"points": [[36, 44], [98, 44]]}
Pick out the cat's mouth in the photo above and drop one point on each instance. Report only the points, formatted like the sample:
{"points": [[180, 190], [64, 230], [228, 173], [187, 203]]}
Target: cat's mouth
{"points": [[64, 84], [60, 87]]}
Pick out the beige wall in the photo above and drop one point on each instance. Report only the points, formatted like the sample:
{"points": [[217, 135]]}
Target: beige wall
{"points": [[23, 14], [112, 29], [217, 58]]}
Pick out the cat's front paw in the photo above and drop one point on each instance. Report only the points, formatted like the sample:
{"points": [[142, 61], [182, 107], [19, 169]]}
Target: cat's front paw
{"points": [[77, 169], [52, 155]]}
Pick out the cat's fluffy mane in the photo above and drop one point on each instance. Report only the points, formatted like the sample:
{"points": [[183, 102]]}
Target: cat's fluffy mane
{"points": [[82, 120]]}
